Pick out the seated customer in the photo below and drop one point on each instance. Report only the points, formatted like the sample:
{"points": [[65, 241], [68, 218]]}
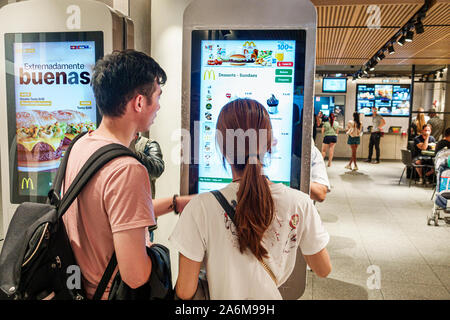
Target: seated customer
{"points": [[445, 142], [421, 143]]}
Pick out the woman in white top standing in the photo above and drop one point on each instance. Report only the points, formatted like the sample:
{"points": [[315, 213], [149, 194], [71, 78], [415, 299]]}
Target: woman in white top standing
{"points": [[272, 220], [354, 128]]}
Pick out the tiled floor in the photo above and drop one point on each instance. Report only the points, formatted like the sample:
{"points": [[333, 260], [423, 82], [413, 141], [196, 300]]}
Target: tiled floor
{"points": [[377, 225]]}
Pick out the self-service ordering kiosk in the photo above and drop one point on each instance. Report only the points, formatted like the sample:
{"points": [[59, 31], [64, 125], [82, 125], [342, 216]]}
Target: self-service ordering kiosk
{"points": [[47, 51], [258, 49]]}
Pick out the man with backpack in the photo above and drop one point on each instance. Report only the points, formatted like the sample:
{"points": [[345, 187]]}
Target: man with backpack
{"points": [[113, 211]]}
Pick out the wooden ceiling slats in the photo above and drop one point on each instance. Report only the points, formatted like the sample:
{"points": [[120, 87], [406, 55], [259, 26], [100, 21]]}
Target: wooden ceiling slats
{"points": [[439, 14], [343, 37]]}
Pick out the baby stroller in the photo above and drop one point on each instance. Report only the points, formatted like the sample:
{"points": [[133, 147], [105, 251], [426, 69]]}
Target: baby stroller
{"points": [[441, 207]]}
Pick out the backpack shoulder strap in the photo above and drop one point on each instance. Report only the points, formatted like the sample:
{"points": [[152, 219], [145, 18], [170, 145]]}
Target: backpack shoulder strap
{"points": [[100, 158], [55, 193], [105, 278]]}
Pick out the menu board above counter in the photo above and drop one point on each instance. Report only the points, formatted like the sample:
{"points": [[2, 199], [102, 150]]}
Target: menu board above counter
{"points": [[391, 100]]}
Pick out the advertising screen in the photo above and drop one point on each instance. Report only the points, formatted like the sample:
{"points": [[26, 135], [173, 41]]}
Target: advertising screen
{"points": [[259, 69], [328, 105], [391, 100], [52, 103], [332, 85]]}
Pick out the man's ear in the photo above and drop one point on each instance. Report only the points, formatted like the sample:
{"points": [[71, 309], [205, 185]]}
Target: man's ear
{"points": [[139, 103]]}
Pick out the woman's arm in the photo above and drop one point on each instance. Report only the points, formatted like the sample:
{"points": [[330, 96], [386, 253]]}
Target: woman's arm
{"points": [[319, 263], [187, 278]]}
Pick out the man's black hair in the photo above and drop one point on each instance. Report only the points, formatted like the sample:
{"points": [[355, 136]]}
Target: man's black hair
{"points": [[447, 132], [120, 76], [424, 126]]}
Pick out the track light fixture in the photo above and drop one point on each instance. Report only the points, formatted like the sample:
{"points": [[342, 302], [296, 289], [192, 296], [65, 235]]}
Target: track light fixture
{"points": [[391, 49], [402, 40], [409, 36], [381, 56], [419, 26], [405, 34], [372, 64]]}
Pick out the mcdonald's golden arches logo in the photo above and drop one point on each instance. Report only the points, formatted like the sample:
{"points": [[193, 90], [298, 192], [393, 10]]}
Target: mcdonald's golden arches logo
{"points": [[209, 73], [28, 181], [249, 44]]}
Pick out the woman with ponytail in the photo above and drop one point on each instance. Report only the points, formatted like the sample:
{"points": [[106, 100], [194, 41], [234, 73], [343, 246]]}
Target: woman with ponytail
{"points": [[330, 132], [254, 255], [354, 129]]}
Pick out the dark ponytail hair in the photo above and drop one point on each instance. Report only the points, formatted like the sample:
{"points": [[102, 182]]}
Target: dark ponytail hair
{"points": [[357, 120], [332, 117], [255, 208]]}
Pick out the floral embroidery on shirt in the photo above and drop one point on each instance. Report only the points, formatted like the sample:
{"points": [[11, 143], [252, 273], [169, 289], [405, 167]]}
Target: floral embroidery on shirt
{"points": [[295, 219], [291, 241]]}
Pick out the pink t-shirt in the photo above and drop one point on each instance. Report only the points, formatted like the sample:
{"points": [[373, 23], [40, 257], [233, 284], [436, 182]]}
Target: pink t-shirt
{"points": [[117, 198]]}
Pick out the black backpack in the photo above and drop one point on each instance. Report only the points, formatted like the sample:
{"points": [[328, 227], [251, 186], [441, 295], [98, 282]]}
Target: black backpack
{"points": [[37, 260]]}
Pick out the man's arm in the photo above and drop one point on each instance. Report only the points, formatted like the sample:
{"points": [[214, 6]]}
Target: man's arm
{"points": [[150, 154], [423, 145], [134, 264], [382, 124], [318, 191], [320, 184], [165, 205]]}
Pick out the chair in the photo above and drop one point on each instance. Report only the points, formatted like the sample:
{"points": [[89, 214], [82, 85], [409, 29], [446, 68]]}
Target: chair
{"points": [[407, 161]]}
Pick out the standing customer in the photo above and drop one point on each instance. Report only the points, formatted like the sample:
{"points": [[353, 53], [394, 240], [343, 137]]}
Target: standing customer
{"points": [[114, 210], [437, 124], [330, 132], [272, 220], [353, 131], [377, 128]]}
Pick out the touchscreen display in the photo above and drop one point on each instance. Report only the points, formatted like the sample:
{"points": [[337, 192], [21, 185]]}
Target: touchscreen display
{"points": [[259, 68], [53, 102]]}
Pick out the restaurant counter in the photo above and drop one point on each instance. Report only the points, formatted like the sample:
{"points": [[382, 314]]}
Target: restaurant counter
{"points": [[390, 146]]}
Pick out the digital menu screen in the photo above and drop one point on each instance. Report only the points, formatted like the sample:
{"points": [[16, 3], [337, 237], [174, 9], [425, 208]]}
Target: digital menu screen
{"points": [[259, 69], [331, 85], [391, 100], [52, 103]]}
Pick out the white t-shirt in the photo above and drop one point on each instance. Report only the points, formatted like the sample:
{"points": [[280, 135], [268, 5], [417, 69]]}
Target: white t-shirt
{"points": [[205, 233], [318, 169], [353, 131]]}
